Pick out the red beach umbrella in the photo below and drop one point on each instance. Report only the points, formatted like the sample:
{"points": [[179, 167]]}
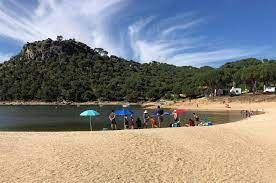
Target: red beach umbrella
{"points": [[180, 112]]}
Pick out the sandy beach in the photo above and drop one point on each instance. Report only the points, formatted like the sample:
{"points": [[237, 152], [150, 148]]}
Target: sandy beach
{"points": [[243, 151]]}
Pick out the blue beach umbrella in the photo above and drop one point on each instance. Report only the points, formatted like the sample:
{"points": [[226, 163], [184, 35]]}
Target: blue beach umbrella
{"points": [[90, 114], [123, 112]]}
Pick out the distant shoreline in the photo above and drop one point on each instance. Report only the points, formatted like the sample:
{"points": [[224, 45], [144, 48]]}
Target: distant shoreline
{"points": [[63, 103], [218, 103], [106, 103]]}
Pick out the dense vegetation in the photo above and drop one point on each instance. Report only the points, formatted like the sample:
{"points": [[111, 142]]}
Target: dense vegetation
{"points": [[69, 70]]}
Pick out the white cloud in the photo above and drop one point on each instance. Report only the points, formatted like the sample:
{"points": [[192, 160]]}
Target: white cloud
{"points": [[209, 57], [4, 57], [182, 26], [165, 46], [171, 39], [84, 20]]}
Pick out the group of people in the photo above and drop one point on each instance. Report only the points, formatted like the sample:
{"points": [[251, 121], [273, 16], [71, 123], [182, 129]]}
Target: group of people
{"points": [[129, 123], [154, 120], [150, 119], [194, 121], [246, 113]]}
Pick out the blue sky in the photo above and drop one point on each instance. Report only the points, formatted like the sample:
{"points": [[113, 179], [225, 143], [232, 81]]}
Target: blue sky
{"points": [[179, 32]]}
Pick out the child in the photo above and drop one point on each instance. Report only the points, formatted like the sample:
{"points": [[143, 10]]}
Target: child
{"points": [[191, 122], [153, 123], [196, 119], [126, 122]]}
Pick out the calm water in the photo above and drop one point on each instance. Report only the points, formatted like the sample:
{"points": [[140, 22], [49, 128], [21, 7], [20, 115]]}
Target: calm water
{"points": [[66, 118]]}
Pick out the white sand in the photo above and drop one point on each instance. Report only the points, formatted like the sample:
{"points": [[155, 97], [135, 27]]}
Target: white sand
{"points": [[238, 152]]}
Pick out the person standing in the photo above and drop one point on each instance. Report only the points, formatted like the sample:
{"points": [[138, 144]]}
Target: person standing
{"points": [[126, 126], [146, 118], [112, 118], [196, 119], [132, 122], [160, 113]]}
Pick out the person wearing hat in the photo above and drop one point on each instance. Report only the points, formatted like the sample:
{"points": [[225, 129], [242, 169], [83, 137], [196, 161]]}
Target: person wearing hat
{"points": [[175, 116], [112, 118], [146, 118]]}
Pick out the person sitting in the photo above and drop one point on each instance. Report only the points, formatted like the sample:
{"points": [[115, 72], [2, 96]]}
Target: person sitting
{"points": [[227, 105], [175, 116], [191, 122], [176, 124], [196, 119], [153, 123]]}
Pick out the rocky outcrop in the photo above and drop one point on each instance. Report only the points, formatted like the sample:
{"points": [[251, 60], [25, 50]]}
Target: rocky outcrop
{"points": [[50, 49]]}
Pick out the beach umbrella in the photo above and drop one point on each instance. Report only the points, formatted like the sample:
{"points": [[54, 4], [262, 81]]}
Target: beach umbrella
{"points": [[180, 112], [123, 112], [90, 114]]}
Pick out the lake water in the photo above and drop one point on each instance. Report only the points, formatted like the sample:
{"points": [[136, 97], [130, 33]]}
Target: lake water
{"points": [[66, 118]]}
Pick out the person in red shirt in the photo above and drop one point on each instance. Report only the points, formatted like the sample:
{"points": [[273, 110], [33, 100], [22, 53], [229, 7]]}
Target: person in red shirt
{"points": [[191, 122]]}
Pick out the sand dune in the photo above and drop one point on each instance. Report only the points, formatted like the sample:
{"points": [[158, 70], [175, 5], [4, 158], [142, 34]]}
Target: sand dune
{"points": [[238, 152]]}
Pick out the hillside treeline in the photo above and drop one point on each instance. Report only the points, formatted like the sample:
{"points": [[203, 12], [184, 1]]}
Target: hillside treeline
{"points": [[67, 70]]}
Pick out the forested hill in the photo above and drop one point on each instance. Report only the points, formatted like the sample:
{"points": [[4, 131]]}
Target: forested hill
{"points": [[69, 70]]}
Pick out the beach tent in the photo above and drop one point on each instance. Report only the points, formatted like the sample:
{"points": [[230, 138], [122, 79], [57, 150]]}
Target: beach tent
{"points": [[90, 114]]}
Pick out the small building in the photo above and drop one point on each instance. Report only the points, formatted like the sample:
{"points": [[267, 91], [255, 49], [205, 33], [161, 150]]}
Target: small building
{"points": [[269, 89], [235, 91]]}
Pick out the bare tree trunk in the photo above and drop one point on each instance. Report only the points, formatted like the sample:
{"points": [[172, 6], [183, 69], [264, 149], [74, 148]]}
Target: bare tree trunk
{"points": [[254, 88], [234, 84]]}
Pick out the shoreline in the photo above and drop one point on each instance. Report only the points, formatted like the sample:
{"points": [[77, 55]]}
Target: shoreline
{"points": [[194, 104], [42, 103], [3, 103]]}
